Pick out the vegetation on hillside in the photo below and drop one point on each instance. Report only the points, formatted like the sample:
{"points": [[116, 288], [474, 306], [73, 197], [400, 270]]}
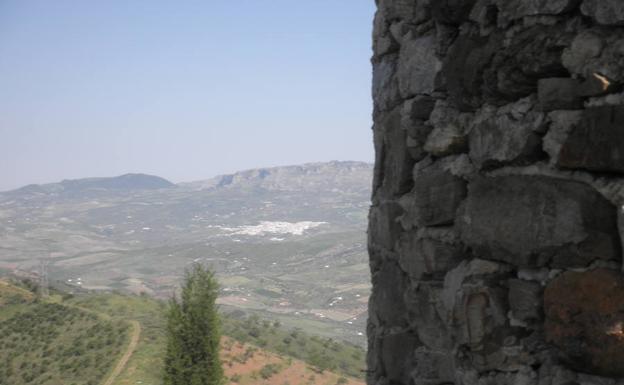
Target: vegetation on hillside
{"points": [[269, 354], [323, 354], [49, 344], [193, 332]]}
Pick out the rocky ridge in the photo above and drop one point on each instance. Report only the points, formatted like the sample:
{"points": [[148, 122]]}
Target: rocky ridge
{"points": [[495, 235]]}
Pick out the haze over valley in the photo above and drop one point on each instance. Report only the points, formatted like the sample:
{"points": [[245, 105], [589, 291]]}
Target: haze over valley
{"points": [[288, 243]]}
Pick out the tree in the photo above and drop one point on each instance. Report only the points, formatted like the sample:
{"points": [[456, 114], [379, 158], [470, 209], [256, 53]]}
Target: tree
{"points": [[193, 332]]}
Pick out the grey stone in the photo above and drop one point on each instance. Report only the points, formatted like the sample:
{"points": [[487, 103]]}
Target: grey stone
{"points": [[411, 11], [561, 123], [608, 12], [418, 66], [449, 130], [383, 40], [434, 199], [595, 142], [385, 84], [414, 113], [476, 310], [538, 275], [528, 55], [532, 221], [516, 9], [397, 355], [384, 226], [387, 302], [393, 169], [559, 94], [427, 257], [451, 11], [432, 368], [425, 315], [587, 45], [596, 51], [418, 108], [446, 140], [525, 300], [463, 69], [507, 135]]}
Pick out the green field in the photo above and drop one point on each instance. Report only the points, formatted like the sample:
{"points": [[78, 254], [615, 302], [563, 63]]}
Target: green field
{"points": [[78, 339]]}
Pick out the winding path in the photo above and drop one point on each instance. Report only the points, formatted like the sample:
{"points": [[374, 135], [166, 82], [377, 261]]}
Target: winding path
{"points": [[134, 340]]}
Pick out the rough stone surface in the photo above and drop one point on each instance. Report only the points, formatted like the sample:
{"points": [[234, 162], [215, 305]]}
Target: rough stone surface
{"points": [[496, 228], [535, 221], [434, 199], [508, 135], [427, 257], [393, 176], [448, 135], [559, 94], [585, 319], [525, 300], [595, 142], [609, 12], [418, 67], [596, 50], [516, 9]]}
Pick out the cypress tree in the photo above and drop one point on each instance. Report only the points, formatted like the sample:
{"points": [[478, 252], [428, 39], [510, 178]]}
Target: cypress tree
{"points": [[193, 332]]}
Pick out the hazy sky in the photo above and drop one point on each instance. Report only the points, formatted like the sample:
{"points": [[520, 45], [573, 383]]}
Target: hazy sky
{"points": [[182, 89]]}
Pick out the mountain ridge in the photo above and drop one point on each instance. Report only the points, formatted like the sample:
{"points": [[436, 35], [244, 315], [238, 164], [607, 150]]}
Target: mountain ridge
{"points": [[130, 181], [276, 178], [272, 178]]}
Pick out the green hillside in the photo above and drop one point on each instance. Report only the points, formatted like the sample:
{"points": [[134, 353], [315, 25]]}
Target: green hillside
{"points": [[145, 364], [79, 339], [47, 343]]}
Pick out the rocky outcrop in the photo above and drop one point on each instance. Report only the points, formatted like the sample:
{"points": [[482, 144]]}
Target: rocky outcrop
{"points": [[495, 233]]}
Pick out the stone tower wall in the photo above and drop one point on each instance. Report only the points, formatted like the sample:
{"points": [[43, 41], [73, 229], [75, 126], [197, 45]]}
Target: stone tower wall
{"points": [[494, 243]]}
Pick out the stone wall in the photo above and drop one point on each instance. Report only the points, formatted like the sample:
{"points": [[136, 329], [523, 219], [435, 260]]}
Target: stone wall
{"points": [[494, 242]]}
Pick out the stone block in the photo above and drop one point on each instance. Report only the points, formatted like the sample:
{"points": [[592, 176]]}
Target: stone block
{"points": [[533, 53], [418, 66], [531, 221], [525, 300], [422, 257], [383, 226], [585, 320], [417, 109], [397, 355], [452, 12], [506, 136], [559, 94], [607, 12], [385, 85], [434, 199], [387, 303], [517, 9], [393, 163], [432, 368], [426, 315], [595, 142], [411, 11], [463, 69]]}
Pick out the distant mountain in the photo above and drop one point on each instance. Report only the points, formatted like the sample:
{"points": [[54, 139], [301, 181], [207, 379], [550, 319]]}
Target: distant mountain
{"points": [[286, 242], [127, 182], [344, 176]]}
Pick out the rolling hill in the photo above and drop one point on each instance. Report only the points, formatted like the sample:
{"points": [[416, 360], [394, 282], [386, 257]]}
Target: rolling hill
{"points": [[115, 339], [288, 243]]}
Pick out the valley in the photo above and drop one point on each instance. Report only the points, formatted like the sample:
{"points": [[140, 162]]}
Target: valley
{"points": [[288, 243]]}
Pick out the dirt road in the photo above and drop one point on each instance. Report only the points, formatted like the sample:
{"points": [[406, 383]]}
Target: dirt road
{"points": [[134, 340]]}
